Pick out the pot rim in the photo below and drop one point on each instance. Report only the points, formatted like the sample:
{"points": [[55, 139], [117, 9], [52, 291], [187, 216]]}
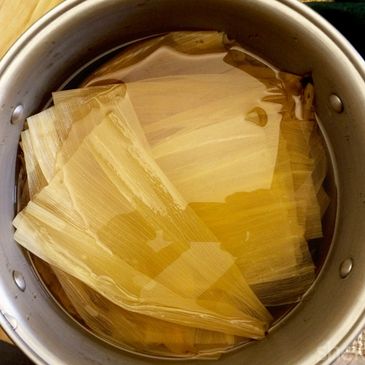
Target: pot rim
{"points": [[296, 5]]}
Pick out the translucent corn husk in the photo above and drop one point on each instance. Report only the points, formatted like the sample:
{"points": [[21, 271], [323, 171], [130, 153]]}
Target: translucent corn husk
{"points": [[180, 54], [226, 122], [160, 123], [50, 129], [118, 207], [137, 332], [36, 179], [157, 56], [246, 119], [141, 333], [205, 343], [164, 120]]}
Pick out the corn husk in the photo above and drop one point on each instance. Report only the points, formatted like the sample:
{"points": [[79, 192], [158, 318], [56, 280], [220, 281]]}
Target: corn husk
{"points": [[305, 145], [137, 332], [160, 122], [52, 211], [261, 218], [17, 15], [141, 333], [174, 130], [179, 128], [158, 56], [36, 179], [180, 54], [50, 129], [204, 343], [256, 168]]}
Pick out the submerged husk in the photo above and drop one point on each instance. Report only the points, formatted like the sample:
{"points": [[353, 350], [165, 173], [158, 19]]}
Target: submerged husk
{"points": [[238, 226], [164, 117], [157, 56], [90, 191], [225, 203], [136, 331], [142, 333], [36, 179], [18, 15]]}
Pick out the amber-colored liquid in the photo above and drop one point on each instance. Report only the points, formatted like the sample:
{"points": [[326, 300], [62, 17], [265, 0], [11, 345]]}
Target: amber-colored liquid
{"points": [[168, 62]]}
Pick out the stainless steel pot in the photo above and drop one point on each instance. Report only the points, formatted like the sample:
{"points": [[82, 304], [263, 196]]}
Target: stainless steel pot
{"points": [[290, 36]]}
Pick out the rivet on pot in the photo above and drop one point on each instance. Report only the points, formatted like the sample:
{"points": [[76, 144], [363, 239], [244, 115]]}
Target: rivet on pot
{"points": [[18, 114], [346, 267], [19, 280], [336, 103]]}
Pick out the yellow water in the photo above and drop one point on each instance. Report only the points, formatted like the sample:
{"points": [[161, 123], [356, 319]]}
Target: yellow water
{"points": [[237, 139]]}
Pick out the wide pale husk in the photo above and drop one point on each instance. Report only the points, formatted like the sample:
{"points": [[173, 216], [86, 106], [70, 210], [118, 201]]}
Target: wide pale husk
{"points": [[141, 333], [52, 211], [173, 127], [160, 121], [157, 56], [180, 54], [298, 266], [263, 260], [17, 15], [36, 179]]}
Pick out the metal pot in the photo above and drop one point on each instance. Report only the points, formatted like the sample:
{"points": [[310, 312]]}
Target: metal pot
{"points": [[284, 32]]}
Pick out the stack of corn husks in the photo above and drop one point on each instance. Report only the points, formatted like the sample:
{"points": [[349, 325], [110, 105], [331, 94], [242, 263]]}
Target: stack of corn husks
{"points": [[173, 206], [18, 15]]}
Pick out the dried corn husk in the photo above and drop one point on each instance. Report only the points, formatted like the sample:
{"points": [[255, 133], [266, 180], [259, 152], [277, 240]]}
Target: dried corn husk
{"points": [[198, 337], [180, 54], [157, 56], [187, 165], [161, 122], [110, 321], [139, 332], [22, 14], [305, 145], [197, 124], [52, 211], [36, 179], [165, 121], [287, 184], [49, 129], [298, 260]]}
